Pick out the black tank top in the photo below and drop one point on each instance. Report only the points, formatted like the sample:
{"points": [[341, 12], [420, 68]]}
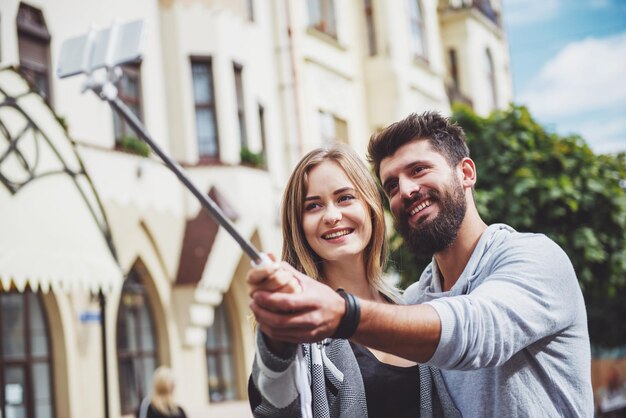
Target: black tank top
{"points": [[391, 391]]}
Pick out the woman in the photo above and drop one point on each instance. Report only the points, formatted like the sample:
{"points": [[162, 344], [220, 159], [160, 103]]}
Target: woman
{"points": [[334, 230], [161, 402]]}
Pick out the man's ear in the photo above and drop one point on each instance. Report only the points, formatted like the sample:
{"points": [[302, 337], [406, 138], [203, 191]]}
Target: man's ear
{"points": [[468, 172]]}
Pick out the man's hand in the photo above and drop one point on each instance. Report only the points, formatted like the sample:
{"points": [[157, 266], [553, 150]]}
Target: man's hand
{"points": [[273, 278], [314, 313], [308, 316]]}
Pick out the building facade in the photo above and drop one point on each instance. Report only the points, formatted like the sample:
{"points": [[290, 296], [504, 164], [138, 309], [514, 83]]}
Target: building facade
{"points": [[109, 267]]}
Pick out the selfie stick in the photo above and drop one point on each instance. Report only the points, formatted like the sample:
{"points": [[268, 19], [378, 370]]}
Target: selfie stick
{"points": [[117, 104], [108, 49]]}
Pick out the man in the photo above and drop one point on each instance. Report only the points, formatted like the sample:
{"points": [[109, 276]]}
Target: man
{"points": [[500, 312]]}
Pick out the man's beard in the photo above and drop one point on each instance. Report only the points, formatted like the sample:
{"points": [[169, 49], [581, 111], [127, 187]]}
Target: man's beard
{"points": [[431, 236]]}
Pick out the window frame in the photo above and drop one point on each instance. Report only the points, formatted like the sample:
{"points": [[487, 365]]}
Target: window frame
{"points": [[28, 361], [227, 348], [417, 23], [370, 28], [210, 105], [123, 355], [325, 18], [263, 132], [250, 10], [33, 39], [490, 70], [339, 126], [240, 100], [453, 63], [130, 70]]}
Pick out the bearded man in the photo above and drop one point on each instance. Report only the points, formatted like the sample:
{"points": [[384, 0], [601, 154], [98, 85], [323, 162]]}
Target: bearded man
{"points": [[498, 311]]}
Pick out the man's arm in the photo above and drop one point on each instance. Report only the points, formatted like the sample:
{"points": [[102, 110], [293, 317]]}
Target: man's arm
{"points": [[411, 332]]}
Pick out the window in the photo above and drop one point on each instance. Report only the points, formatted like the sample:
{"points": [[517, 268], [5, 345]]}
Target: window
{"points": [[487, 9], [136, 344], [453, 67], [491, 80], [204, 100], [220, 358], [263, 133], [250, 9], [418, 41], [333, 129], [129, 91], [25, 369], [241, 114], [370, 28], [33, 40], [322, 16]]}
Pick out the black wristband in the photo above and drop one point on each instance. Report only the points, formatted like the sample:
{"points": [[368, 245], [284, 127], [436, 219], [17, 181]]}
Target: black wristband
{"points": [[350, 320]]}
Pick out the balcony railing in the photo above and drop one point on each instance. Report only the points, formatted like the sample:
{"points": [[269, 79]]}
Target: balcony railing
{"points": [[483, 6]]}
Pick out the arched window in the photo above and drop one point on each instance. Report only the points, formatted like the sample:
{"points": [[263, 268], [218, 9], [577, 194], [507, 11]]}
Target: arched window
{"points": [[490, 74], [25, 369], [33, 41], [136, 343], [221, 358]]}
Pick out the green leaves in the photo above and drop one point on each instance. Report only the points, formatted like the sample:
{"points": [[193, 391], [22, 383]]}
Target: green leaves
{"points": [[134, 145], [251, 158], [541, 182]]}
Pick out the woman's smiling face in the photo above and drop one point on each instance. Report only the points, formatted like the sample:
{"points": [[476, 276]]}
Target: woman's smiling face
{"points": [[336, 221]]}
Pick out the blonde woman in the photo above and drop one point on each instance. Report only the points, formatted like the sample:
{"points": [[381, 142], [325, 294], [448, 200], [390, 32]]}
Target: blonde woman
{"points": [[334, 231], [160, 403]]}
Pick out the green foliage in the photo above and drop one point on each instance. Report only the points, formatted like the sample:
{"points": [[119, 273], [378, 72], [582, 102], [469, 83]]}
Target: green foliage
{"points": [[251, 158], [538, 181], [134, 145], [62, 121]]}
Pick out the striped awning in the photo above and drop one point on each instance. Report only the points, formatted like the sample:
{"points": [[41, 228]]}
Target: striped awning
{"points": [[53, 231]]}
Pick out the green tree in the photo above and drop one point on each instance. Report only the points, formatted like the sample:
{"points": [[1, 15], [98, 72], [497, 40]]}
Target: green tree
{"points": [[538, 181]]}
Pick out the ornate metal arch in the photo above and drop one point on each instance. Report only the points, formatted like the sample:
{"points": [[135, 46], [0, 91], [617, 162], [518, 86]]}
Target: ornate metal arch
{"points": [[23, 143]]}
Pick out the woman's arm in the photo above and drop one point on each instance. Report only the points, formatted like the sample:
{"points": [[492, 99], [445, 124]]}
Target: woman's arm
{"points": [[273, 278], [279, 381]]}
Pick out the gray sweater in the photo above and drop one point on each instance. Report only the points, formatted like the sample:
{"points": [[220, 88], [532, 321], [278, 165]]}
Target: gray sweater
{"points": [[323, 380], [514, 339]]}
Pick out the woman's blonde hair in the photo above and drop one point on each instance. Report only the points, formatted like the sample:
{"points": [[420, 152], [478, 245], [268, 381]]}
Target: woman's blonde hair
{"points": [[296, 249], [163, 391]]}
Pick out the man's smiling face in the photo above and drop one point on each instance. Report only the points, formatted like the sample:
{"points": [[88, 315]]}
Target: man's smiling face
{"points": [[425, 196]]}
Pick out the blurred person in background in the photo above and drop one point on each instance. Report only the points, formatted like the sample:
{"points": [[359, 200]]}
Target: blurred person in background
{"points": [[160, 403], [612, 398]]}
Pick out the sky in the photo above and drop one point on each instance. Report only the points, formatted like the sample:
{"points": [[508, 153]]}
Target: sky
{"points": [[568, 62]]}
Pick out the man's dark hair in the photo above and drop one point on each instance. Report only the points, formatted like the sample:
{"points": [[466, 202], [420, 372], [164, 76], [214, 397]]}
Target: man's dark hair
{"points": [[445, 137]]}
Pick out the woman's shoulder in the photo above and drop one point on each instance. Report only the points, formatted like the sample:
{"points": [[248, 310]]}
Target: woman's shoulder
{"points": [[181, 412], [154, 413]]}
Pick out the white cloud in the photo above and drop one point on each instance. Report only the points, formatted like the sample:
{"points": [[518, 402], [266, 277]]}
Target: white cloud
{"points": [[585, 76], [599, 4], [522, 12], [604, 136]]}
